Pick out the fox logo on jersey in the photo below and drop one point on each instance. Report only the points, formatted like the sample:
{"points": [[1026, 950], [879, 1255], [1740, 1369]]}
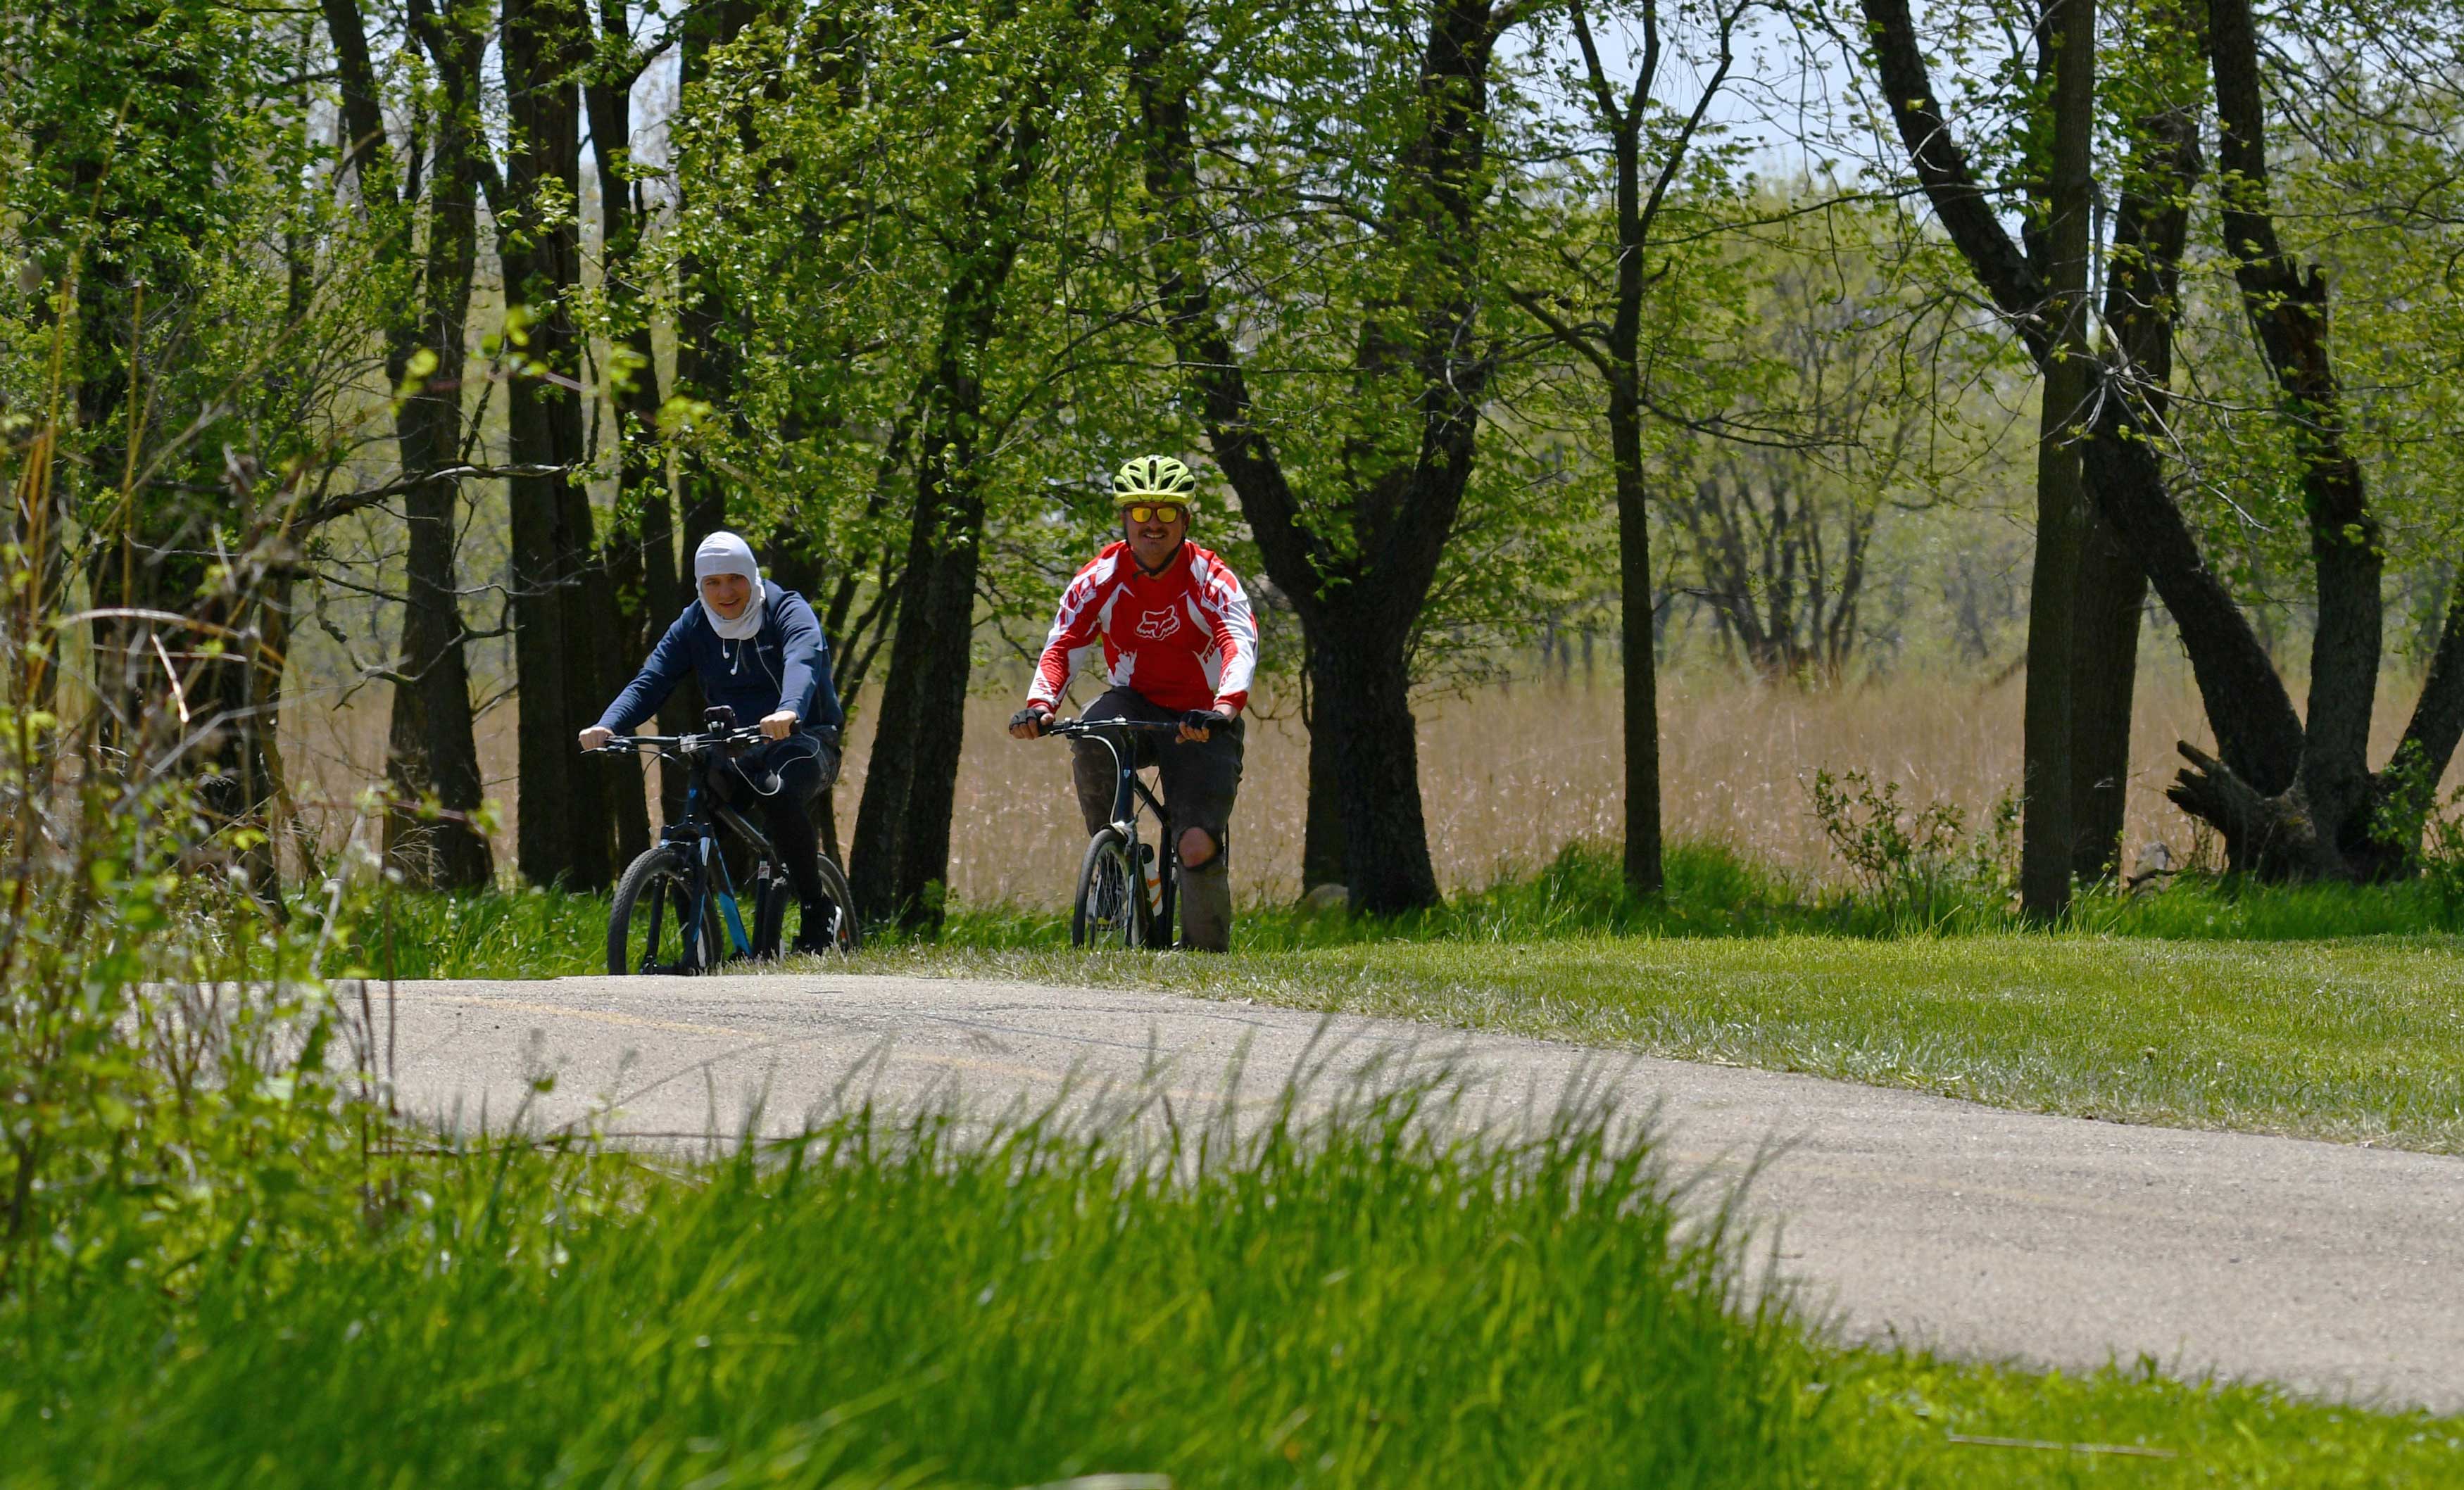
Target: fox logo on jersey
{"points": [[1184, 634]]}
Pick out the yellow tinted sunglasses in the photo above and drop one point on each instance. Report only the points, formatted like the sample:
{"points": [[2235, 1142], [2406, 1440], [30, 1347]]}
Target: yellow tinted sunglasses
{"points": [[1156, 511]]}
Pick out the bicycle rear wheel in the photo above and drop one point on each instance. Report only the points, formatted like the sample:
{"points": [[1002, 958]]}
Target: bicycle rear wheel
{"points": [[785, 925], [1111, 908], [647, 929], [848, 934]]}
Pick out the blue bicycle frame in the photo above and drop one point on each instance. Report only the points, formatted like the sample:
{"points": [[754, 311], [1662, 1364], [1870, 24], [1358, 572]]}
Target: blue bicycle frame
{"points": [[702, 836]]}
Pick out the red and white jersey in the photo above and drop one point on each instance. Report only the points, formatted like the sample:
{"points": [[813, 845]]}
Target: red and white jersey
{"points": [[1184, 638]]}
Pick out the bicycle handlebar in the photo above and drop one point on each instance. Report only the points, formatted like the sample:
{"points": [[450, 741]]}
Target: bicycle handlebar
{"points": [[1075, 727], [682, 744]]}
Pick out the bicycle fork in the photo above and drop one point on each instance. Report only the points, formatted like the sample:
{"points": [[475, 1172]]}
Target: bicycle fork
{"points": [[712, 880]]}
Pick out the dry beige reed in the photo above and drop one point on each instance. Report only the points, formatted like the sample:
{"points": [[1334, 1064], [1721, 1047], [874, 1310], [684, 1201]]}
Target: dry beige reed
{"points": [[1508, 774]]}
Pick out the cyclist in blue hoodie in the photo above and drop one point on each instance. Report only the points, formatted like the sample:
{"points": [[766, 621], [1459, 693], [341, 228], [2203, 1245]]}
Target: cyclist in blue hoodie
{"points": [[758, 650]]}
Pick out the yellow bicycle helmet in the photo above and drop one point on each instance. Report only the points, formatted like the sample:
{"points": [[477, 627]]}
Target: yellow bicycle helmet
{"points": [[1150, 476]]}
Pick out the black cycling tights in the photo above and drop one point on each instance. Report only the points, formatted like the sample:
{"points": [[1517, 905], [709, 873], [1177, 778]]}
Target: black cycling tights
{"points": [[803, 766]]}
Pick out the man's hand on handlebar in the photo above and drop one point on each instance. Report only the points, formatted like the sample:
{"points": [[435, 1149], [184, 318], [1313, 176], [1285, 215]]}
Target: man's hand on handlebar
{"points": [[595, 737], [777, 725], [1199, 723], [1029, 722]]}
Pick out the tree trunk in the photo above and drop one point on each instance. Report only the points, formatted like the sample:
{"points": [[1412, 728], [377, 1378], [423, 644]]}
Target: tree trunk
{"points": [[660, 584], [2288, 314], [2317, 814], [234, 698], [643, 538], [432, 760], [1322, 859], [2048, 841], [2259, 734], [1376, 746], [235, 760], [902, 829], [2143, 285], [709, 359], [2105, 668], [1643, 871], [706, 369], [559, 632], [608, 793], [2437, 721], [431, 751], [902, 826], [2283, 836], [1636, 219], [2047, 836]]}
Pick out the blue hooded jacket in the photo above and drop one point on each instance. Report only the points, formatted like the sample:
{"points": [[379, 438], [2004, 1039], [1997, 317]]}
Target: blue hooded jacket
{"points": [[784, 665]]}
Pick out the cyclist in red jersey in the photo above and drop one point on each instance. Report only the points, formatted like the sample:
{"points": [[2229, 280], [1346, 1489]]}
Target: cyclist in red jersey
{"points": [[1179, 642]]}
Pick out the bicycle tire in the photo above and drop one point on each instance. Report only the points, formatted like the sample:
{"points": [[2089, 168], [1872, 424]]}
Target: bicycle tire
{"points": [[781, 918], [664, 876], [849, 935], [1111, 905]]}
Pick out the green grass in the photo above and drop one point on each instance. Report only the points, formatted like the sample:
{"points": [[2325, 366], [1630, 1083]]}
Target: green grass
{"points": [[1712, 892], [1352, 1303], [496, 933]]}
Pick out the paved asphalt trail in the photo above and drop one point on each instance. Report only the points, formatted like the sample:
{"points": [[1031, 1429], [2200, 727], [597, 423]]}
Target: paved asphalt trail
{"points": [[2337, 1271]]}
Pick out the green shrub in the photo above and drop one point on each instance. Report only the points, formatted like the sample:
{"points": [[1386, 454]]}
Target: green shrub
{"points": [[2426, 834], [1918, 866], [175, 1083]]}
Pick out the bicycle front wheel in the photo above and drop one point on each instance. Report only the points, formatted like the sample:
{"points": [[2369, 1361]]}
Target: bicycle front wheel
{"points": [[647, 924], [1111, 909]]}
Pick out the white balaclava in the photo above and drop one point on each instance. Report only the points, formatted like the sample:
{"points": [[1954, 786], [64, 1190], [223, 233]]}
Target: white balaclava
{"points": [[725, 553]]}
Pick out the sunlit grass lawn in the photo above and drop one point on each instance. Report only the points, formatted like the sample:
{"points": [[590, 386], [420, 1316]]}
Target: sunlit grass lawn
{"points": [[1357, 1303], [2359, 1039]]}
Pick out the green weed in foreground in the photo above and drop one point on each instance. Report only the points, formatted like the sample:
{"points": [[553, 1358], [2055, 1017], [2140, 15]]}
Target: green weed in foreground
{"points": [[1353, 1304]]}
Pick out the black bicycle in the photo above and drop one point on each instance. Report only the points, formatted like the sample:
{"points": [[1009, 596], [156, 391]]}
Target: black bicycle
{"points": [[676, 909], [1129, 889]]}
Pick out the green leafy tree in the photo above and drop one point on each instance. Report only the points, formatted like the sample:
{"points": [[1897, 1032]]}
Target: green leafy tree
{"points": [[1319, 188], [1653, 144], [899, 231], [1971, 179], [189, 345], [422, 237]]}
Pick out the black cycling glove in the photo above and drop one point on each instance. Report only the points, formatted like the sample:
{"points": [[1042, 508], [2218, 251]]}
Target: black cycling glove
{"points": [[1030, 714], [1205, 720]]}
